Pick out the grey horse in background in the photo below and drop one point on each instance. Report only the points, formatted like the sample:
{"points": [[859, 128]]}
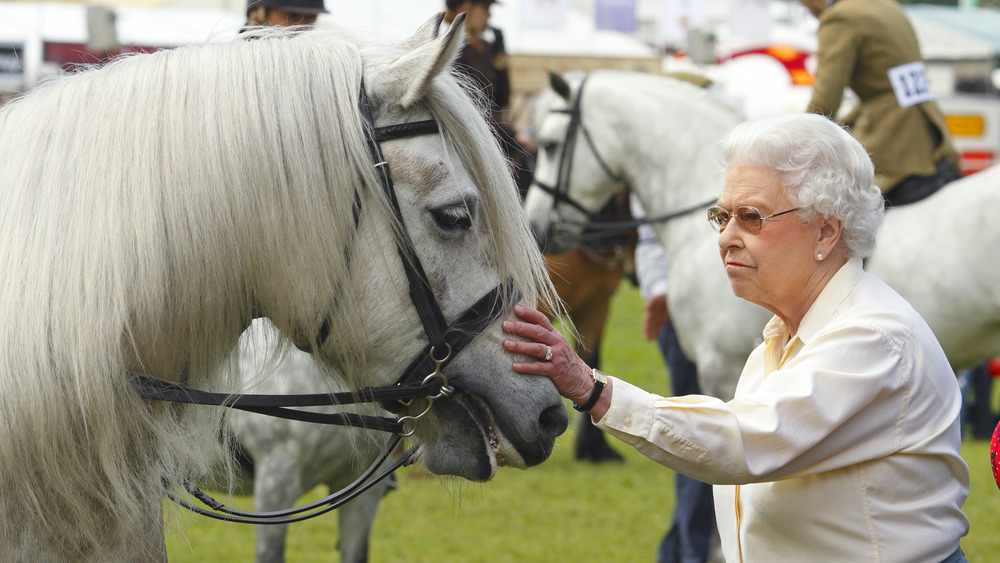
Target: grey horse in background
{"points": [[286, 458]]}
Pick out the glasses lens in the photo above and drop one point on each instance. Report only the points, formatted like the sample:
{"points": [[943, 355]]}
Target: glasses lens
{"points": [[717, 217], [749, 218]]}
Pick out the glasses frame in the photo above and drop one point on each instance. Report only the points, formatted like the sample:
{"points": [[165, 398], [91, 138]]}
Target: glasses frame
{"points": [[752, 228]]}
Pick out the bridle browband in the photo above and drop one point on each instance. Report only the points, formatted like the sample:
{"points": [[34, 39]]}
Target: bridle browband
{"points": [[422, 378], [600, 229]]}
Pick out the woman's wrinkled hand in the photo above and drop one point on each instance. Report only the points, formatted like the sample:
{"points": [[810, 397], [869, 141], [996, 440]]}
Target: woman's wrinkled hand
{"points": [[569, 373]]}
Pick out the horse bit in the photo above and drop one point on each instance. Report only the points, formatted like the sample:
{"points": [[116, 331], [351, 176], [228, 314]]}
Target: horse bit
{"points": [[603, 229], [422, 379]]}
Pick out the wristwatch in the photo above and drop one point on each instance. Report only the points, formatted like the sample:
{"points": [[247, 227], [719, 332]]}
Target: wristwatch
{"points": [[600, 380]]}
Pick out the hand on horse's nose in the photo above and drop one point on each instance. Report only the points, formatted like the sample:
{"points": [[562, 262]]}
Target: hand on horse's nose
{"points": [[565, 368]]}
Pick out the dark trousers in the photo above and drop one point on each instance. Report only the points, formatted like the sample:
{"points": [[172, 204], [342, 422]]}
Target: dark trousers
{"points": [[693, 524], [916, 188], [977, 393], [957, 557]]}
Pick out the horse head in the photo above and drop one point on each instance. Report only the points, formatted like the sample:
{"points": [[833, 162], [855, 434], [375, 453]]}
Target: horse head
{"points": [[456, 222], [576, 170], [197, 188]]}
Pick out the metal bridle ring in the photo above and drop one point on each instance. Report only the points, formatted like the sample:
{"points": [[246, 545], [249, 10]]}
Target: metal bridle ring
{"points": [[442, 360], [413, 419]]}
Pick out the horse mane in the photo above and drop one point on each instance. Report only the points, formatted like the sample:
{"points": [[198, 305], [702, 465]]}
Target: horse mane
{"points": [[134, 196]]}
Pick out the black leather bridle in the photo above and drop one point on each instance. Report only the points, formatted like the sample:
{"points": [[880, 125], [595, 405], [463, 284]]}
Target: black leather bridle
{"points": [[560, 191], [422, 379], [599, 227]]}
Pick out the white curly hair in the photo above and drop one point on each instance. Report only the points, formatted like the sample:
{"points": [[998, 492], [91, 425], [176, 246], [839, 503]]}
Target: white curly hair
{"points": [[824, 170]]}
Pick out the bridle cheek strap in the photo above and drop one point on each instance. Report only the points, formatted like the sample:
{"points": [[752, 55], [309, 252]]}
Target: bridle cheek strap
{"points": [[420, 291], [560, 191]]}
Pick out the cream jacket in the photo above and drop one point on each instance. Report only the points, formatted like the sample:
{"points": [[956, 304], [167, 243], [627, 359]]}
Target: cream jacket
{"points": [[842, 442]]}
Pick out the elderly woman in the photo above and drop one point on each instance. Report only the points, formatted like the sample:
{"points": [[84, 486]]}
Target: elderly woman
{"points": [[842, 442]]}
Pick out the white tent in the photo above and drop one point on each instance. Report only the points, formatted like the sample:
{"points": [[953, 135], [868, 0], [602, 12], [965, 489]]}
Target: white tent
{"points": [[54, 21], [26, 27]]}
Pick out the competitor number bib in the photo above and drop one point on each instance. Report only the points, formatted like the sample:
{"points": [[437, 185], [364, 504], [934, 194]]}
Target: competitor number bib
{"points": [[910, 84]]}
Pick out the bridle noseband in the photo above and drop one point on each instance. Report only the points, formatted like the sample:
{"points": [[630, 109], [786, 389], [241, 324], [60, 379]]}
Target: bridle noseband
{"points": [[600, 229], [422, 379]]}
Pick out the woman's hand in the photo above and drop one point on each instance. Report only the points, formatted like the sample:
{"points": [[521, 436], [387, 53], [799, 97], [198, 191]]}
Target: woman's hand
{"points": [[564, 367]]}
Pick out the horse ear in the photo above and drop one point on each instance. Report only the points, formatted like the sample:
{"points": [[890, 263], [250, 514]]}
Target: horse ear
{"points": [[426, 33], [406, 79], [559, 85]]}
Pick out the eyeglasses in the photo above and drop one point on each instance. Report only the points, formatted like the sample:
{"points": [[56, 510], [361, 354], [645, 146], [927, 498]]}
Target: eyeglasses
{"points": [[750, 218]]}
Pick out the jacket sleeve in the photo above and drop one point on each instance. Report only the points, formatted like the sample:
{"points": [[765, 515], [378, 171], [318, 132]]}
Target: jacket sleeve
{"points": [[650, 257], [499, 62], [838, 56]]}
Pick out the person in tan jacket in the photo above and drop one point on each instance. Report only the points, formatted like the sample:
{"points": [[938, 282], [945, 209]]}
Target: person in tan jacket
{"points": [[871, 47]]}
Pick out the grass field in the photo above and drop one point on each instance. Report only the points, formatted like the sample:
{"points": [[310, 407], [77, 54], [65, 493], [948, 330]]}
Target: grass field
{"points": [[561, 510]]}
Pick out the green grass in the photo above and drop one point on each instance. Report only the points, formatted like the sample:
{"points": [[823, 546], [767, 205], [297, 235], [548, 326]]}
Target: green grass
{"points": [[561, 510]]}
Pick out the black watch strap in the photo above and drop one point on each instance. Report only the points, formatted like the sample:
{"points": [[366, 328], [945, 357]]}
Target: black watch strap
{"points": [[594, 396]]}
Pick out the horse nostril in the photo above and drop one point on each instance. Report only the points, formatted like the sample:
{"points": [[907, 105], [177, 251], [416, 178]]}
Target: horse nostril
{"points": [[553, 421]]}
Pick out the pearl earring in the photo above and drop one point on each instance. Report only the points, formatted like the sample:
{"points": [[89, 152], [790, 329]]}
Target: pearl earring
{"points": [[819, 257]]}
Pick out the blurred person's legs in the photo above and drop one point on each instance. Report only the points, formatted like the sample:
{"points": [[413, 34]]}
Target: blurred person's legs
{"points": [[692, 527]]}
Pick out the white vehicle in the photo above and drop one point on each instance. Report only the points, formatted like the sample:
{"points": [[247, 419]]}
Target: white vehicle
{"points": [[974, 120]]}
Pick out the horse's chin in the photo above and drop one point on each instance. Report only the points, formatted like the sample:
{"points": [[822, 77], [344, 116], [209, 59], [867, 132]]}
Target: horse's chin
{"points": [[469, 444]]}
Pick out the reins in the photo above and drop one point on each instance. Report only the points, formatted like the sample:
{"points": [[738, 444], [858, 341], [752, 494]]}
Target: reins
{"points": [[422, 379], [602, 230], [278, 405], [220, 511]]}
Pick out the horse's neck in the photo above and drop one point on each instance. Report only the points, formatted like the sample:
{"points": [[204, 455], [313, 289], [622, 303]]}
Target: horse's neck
{"points": [[667, 136]]}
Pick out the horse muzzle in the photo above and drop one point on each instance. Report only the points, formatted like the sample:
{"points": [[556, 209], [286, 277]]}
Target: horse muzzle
{"points": [[477, 436]]}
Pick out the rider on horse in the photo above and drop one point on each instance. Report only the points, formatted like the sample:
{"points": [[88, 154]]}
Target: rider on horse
{"points": [[870, 46]]}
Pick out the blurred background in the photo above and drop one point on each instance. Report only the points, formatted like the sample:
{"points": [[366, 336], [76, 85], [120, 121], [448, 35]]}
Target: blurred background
{"points": [[759, 53]]}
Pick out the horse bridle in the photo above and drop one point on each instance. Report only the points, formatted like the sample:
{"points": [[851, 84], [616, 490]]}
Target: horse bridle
{"points": [[599, 229], [560, 191], [422, 378]]}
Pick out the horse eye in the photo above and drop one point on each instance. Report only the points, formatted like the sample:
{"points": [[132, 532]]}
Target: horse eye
{"points": [[549, 146], [452, 219]]}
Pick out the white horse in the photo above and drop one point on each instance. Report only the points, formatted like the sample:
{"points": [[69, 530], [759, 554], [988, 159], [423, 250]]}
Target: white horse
{"points": [[291, 457], [153, 207], [660, 135]]}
